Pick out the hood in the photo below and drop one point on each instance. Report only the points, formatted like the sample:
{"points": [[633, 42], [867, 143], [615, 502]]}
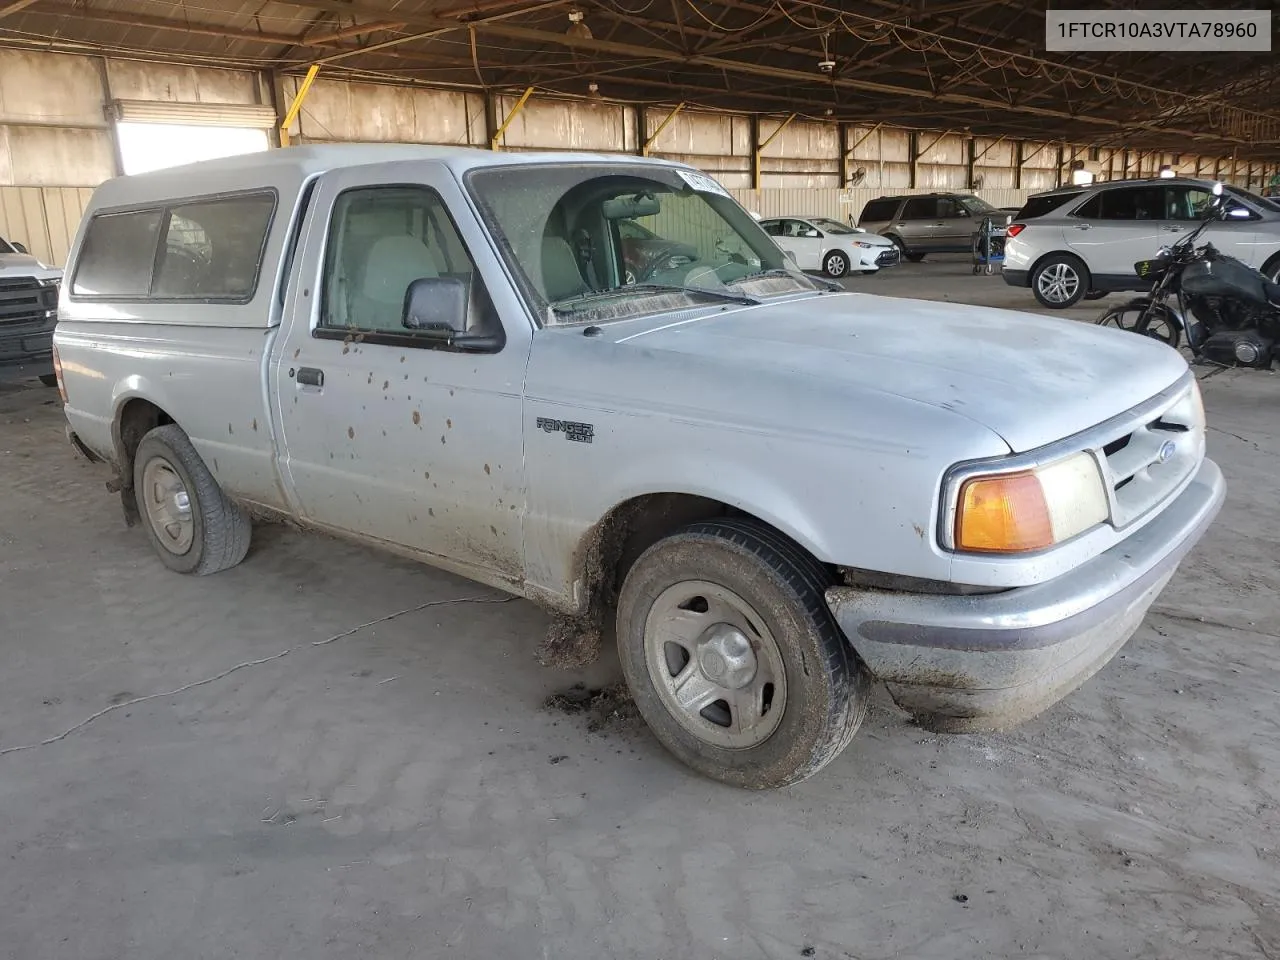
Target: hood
{"points": [[1032, 380], [23, 264]]}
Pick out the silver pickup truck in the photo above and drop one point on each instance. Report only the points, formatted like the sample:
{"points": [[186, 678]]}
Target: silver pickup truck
{"points": [[595, 382]]}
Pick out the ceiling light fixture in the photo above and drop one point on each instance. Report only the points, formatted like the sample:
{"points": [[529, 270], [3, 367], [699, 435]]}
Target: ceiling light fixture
{"points": [[577, 26]]}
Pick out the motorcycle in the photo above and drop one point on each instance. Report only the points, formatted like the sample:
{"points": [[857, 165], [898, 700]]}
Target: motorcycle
{"points": [[1227, 312]]}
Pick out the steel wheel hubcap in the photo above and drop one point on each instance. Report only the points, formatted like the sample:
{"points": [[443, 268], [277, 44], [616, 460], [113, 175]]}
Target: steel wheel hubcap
{"points": [[1058, 283], [168, 506], [835, 264], [714, 664]]}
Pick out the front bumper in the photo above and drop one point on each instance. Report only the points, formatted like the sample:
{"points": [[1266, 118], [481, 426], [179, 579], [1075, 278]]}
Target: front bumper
{"points": [[979, 663]]}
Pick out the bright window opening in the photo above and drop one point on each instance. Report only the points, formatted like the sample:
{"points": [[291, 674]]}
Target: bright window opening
{"points": [[153, 146]]}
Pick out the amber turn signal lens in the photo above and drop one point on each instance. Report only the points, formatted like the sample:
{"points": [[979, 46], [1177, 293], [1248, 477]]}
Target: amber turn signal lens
{"points": [[1005, 514]]}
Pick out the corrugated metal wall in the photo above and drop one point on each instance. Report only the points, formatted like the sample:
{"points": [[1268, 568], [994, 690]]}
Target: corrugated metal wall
{"points": [[43, 219], [55, 140]]}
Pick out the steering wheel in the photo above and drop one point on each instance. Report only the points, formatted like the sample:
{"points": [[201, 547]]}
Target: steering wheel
{"points": [[664, 254]]}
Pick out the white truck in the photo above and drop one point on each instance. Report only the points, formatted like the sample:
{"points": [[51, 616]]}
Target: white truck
{"points": [[28, 314], [777, 490]]}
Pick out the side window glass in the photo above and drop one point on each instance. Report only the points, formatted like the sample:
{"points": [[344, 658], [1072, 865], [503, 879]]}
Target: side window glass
{"points": [[1186, 203], [1091, 209], [118, 255], [773, 228], [949, 209], [920, 208], [1120, 204], [382, 239], [212, 250]]}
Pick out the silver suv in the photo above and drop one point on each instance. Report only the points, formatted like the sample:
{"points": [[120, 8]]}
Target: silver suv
{"points": [[1083, 241], [929, 223]]}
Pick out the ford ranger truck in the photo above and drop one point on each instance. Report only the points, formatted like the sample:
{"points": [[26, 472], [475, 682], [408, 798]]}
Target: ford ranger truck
{"points": [[775, 491]]}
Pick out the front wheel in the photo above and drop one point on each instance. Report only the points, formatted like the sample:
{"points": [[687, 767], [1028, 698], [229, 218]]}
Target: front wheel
{"points": [[193, 526], [835, 264], [734, 659], [1141, 316], [1059, 281]]}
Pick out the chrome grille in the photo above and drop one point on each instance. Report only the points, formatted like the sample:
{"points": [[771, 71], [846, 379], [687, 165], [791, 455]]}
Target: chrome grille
{"points": [[1151, 461]]}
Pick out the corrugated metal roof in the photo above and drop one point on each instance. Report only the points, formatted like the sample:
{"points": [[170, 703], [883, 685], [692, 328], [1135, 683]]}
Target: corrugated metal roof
{"points": [[955, 66]]}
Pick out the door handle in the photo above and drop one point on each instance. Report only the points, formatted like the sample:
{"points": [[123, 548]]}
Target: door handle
{"points": [[1082, 226], [900, 226], [310, 377]]}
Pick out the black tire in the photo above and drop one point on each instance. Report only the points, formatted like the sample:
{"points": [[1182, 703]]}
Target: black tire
{"points": [[827, 686], [835, 264], [221, 533], [1059, 281], [49, 379], [1095, 294], [913, 256], [1271, 269], [1158, 324]]}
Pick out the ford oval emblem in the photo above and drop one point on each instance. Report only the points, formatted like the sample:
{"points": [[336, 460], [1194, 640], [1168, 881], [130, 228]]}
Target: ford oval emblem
{"points": [[1167, 450]]}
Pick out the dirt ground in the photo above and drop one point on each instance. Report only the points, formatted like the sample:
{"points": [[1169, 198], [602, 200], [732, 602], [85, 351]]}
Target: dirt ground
{"points": [[360, 784]]}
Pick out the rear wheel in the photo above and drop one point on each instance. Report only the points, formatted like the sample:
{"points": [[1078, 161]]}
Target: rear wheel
{"points": [[1271, 269], [1059, 281], [734, 659], [193, 526], [913, 256], [49, 379]]}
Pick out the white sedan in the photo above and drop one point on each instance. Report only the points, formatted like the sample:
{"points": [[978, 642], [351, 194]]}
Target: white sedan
{"points": [[831, 247]]}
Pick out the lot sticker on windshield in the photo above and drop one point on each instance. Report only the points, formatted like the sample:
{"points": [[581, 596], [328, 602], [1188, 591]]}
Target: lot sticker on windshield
{"points": [[702, 183]]}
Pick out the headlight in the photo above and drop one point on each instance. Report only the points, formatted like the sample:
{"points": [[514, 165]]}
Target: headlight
{"points": [[1029, 510], [865, 246]]}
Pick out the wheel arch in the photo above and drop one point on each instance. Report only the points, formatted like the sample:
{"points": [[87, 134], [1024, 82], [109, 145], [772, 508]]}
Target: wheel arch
{"points": [[612, 545], [1040, 260]]}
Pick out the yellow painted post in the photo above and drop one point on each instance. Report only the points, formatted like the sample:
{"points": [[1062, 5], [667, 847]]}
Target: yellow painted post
{"points": [[292, 113], [756, 172], [497, 134], [644, 151]]}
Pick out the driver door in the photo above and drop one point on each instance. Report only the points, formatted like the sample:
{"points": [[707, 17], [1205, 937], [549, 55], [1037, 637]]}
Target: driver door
{"points": [[1186, 206], [385, 433]]}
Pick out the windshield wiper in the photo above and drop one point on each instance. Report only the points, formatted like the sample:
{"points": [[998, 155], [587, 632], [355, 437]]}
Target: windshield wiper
{"points": [[790, 275], [570, 304]]}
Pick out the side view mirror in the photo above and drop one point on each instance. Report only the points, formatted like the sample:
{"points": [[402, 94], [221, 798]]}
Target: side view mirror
{"points": [[20, 247], [436, 305]]}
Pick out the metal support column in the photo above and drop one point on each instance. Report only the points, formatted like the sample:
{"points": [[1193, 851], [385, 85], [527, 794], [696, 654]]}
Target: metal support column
{"points": [[496, 140], [296, 105]]}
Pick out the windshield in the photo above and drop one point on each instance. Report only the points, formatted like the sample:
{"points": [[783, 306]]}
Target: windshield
{"points": [[832, 226], [596, 242], [1262, 203], [977, 205]]}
